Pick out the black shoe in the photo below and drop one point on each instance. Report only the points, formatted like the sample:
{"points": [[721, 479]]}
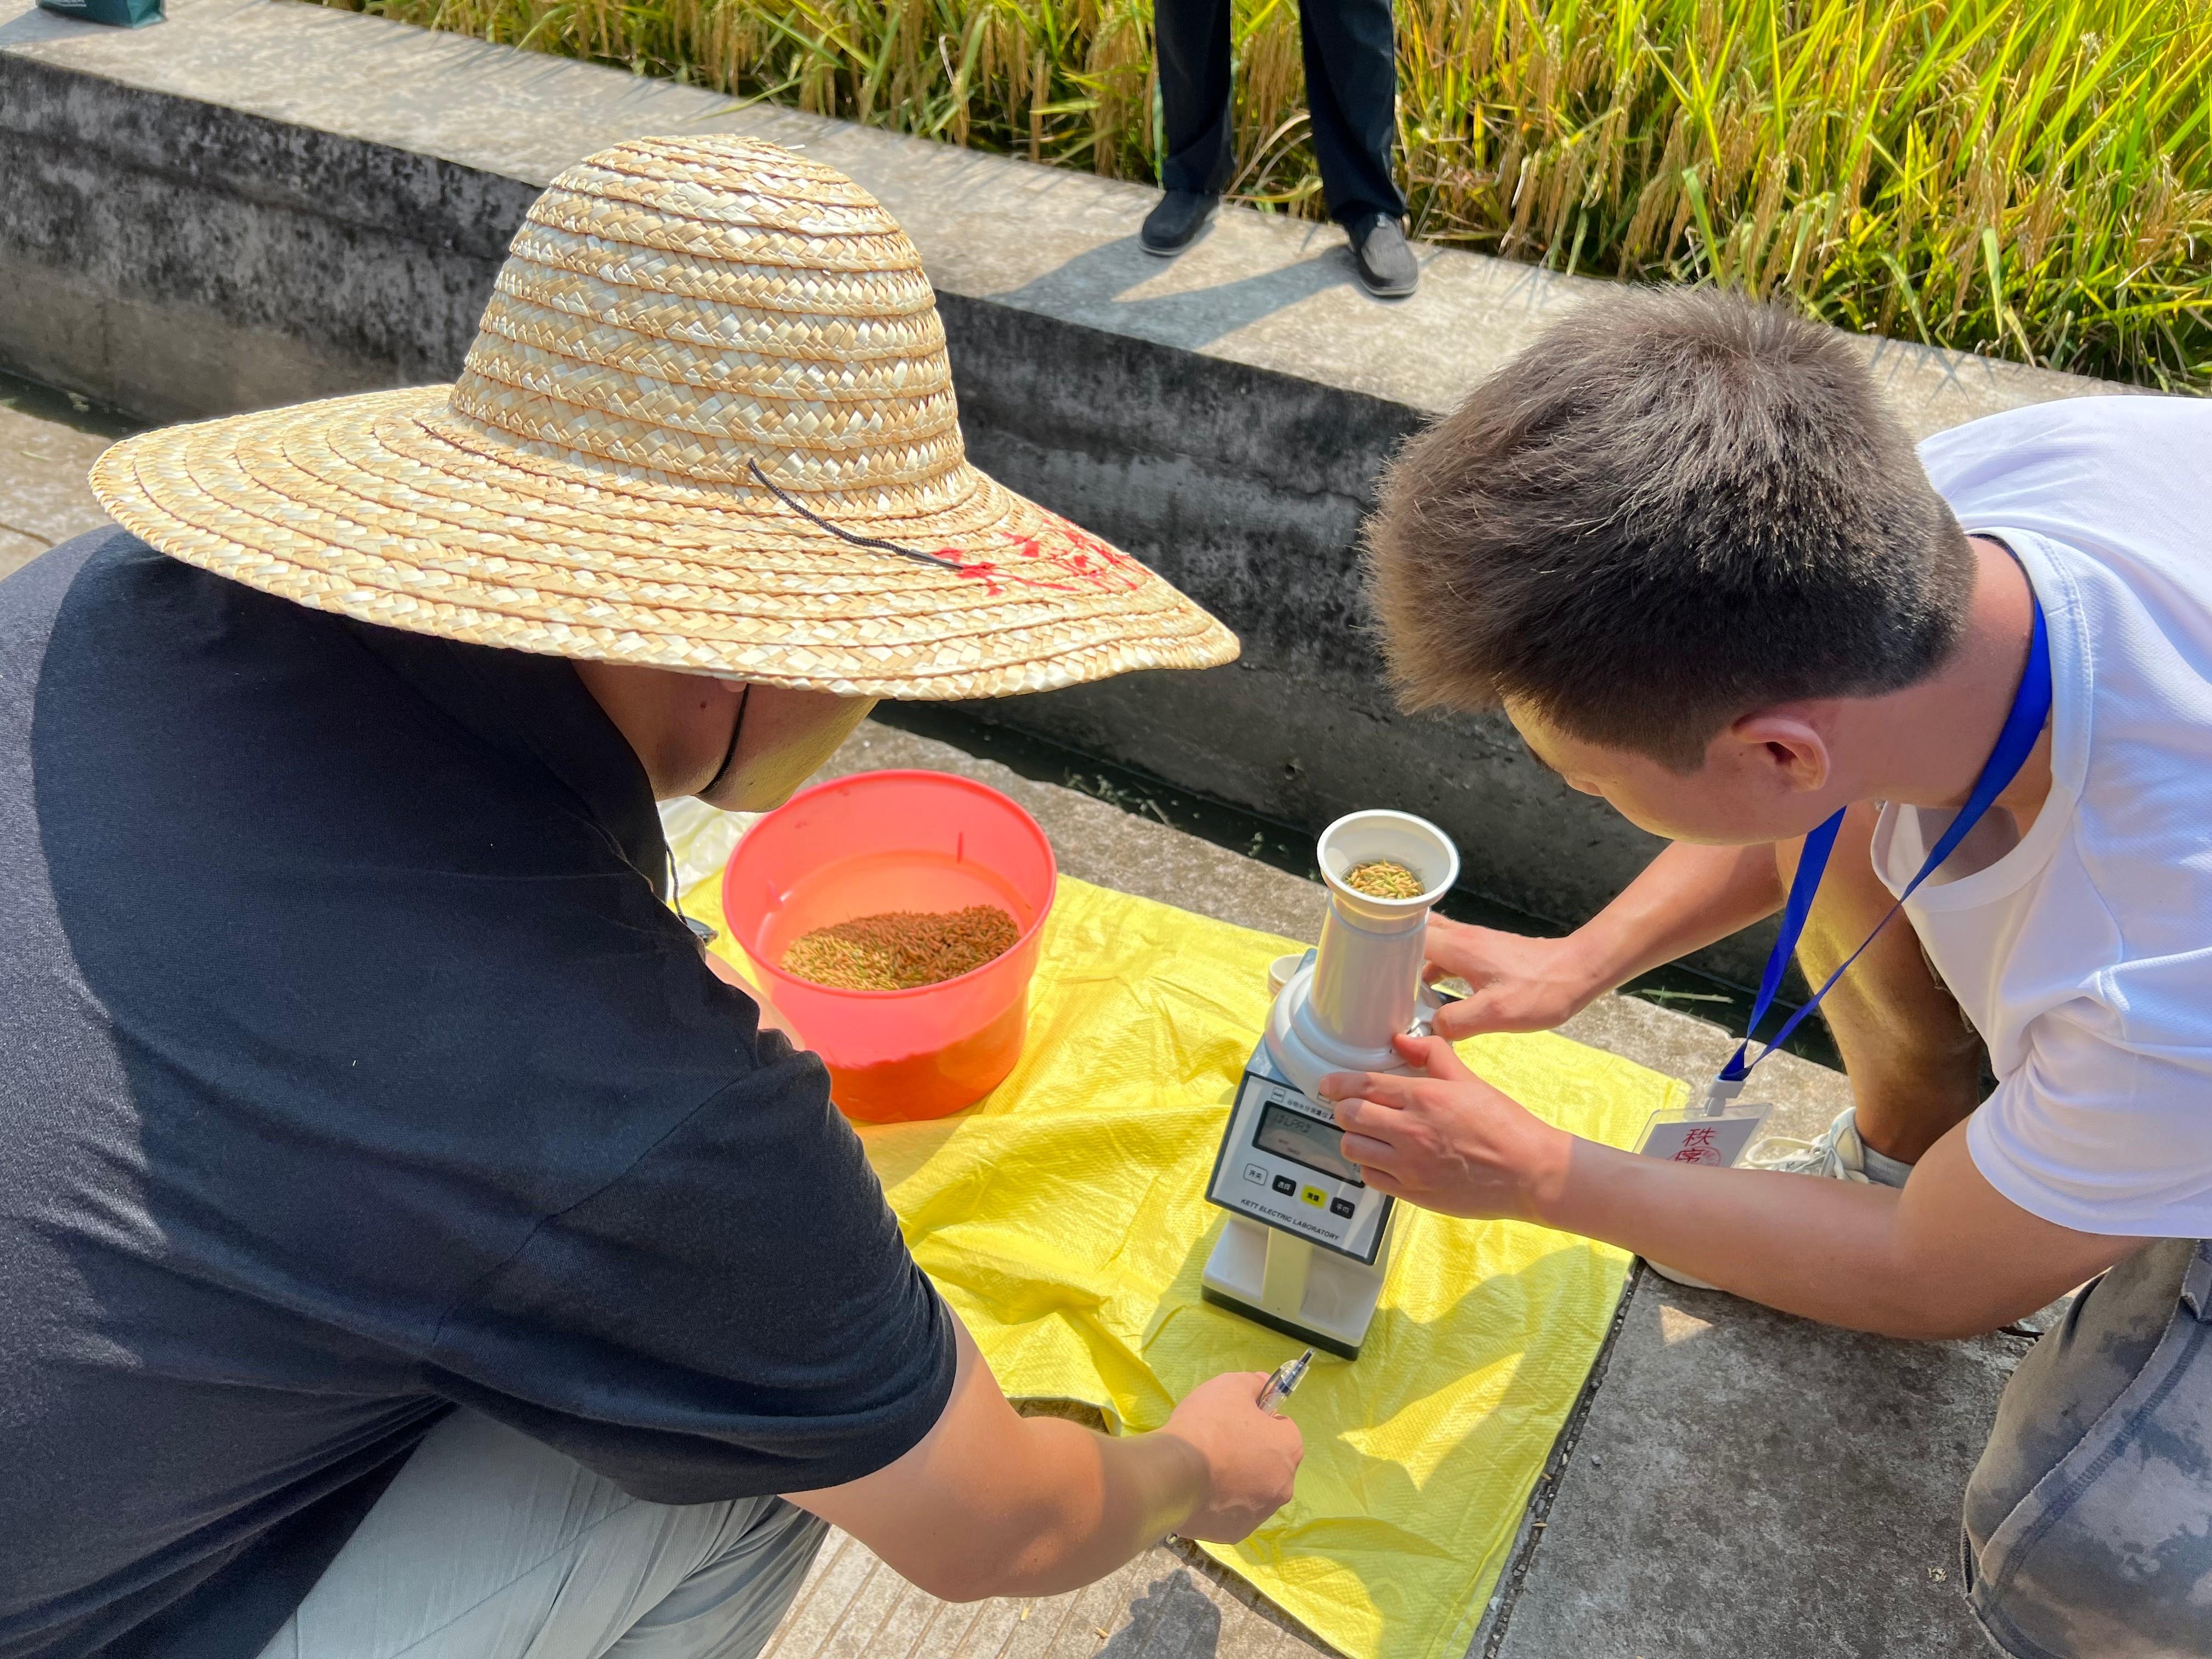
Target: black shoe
{"points": [[1387, 269], [1174, 225]]}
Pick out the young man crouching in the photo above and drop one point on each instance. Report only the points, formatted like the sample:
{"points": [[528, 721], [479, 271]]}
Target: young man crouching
{"points": [[1683, 546]]}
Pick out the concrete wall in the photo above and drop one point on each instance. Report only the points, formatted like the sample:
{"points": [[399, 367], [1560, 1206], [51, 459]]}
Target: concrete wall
{"points": [[259, 202]]}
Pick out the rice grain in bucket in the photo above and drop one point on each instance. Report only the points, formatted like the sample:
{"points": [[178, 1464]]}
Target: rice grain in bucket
{"points": [[902, 950]]}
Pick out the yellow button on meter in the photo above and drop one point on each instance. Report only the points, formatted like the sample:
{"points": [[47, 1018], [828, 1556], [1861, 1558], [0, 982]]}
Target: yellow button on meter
{"points": [[1314, 1196]]}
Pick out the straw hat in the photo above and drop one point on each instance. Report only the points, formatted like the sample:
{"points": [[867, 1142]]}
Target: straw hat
{"points": [[707, 424]]}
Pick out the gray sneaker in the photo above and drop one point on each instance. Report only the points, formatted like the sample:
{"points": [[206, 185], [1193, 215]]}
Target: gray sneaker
{"points": [[1838, 1155], [1387, 268]]}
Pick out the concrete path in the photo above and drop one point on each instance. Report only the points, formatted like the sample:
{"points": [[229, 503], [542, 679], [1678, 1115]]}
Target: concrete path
{"points": [[47, 440], [1734, 1483]]}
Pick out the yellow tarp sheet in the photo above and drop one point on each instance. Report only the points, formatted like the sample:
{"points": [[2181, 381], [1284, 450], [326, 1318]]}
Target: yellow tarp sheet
{"points": [[1063, 1219]]}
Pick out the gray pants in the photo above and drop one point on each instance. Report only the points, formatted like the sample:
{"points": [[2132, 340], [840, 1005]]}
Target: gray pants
{"points": [[2088, 1524], [489, 1545]]}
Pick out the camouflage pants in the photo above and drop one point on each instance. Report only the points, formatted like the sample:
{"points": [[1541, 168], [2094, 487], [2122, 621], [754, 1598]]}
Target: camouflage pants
{"points": [[2089, 1523]]}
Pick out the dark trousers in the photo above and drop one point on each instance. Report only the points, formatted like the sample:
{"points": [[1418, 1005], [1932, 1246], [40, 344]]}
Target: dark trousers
{"points": [[1351, 88]]}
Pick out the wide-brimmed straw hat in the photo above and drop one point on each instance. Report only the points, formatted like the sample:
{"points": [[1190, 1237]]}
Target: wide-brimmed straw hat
{"points": [[707, 424]]}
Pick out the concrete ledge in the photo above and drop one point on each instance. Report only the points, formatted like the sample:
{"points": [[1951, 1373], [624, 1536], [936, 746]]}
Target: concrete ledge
{"points": [[1749, 1484], [260, 202]]}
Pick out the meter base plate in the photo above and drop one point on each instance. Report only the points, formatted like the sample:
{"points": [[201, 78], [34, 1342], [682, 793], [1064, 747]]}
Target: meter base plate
{"points": [[1293, 1285], [1289, 1328]]}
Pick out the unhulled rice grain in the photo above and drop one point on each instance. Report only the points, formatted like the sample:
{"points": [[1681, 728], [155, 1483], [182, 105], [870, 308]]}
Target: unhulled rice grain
{"points": [[1385, 879], [900, 949]]}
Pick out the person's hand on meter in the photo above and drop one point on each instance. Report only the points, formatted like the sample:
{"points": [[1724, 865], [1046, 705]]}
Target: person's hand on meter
{"points": [[1515, 983], [1445, 1139]]}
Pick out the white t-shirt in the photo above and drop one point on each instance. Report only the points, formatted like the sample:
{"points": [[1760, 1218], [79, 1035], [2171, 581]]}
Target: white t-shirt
{"points": [[2083, 953]]}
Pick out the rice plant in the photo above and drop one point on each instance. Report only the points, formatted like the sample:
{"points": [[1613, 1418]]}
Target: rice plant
{"points": [[2031, 179]]}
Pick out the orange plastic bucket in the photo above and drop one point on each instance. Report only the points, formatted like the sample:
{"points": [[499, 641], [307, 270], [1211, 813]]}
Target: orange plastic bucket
{"points": [[896, 841]]}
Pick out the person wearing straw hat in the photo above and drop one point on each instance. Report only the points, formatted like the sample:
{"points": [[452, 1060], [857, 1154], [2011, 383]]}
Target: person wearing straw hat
{"points": [[407, 1243]]}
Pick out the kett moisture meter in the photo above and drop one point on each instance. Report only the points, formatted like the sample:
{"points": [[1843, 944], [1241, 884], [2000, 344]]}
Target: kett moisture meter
{"points": [[1308, 1241]]}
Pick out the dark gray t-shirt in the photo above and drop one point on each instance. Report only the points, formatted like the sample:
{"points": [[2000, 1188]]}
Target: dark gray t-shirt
{"points": [[350, 1069]]}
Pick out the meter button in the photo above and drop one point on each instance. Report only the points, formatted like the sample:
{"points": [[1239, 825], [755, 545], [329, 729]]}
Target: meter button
{"points": [[1314, 1196], [1254, 1173], [1343, 1206], [1286, 1186]]}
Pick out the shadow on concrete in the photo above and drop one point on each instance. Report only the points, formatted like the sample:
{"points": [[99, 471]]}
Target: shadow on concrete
{"points": [[35, 25], [51, 407], [1096, 282], [1172, 1619]]}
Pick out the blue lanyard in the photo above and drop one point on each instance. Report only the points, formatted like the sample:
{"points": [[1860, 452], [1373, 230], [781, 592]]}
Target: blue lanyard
{"points": [[2023, 725]]}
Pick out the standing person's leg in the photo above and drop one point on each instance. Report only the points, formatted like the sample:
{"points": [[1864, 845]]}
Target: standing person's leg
{"points": [[489, 1545], [1351, 89], [1915, 1063], [2086, 1530], [1192, 53]]}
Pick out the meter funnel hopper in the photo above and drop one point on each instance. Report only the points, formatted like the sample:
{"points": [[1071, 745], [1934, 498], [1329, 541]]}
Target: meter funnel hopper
{"points": [[1364, 986]]}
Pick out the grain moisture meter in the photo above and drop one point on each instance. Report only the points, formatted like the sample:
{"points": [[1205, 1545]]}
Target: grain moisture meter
{"points": [[1308, 1241]]}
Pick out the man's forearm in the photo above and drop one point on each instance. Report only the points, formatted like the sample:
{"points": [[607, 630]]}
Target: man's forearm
{"points": [[1820, 1248], [1124, 1496], [989, 1502], [1946, 1256], [1687, 897]]}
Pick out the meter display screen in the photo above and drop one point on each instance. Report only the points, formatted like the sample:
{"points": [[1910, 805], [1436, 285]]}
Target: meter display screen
{"points": [[1305, 1141]]}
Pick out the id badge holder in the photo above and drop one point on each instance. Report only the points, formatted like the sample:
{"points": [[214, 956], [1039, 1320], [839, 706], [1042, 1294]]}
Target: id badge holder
{"points": [[1714, 1130]]}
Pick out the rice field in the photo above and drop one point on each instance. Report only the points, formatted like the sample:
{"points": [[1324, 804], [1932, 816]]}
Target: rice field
{"points": [[2029, 178]]}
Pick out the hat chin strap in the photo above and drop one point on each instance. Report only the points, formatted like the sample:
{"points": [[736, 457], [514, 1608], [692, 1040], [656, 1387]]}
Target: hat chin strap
{"points": [[873, 542], [737, 731]]}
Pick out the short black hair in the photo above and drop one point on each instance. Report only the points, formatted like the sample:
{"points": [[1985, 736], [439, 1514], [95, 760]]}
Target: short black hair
{"points": [[1675, 506]]}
